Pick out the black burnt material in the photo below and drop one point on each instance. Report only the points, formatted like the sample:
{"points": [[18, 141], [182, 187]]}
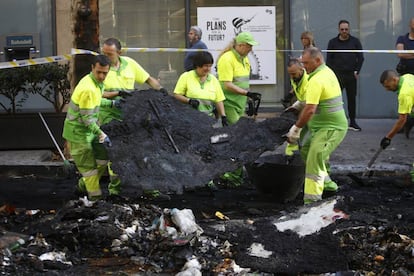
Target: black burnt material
{"points": [[169, 147]]}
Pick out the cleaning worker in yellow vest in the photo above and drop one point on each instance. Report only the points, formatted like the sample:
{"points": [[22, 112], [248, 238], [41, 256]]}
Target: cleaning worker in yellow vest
{"points": [[200, 89], [299, 81], [81, 129], [404, 86], [121, 79], [124, 73], [233, 69], [326, 120]]}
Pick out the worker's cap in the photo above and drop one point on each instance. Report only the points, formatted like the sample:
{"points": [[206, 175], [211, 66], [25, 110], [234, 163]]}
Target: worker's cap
{"points": [[197, 31], [246, 37]]}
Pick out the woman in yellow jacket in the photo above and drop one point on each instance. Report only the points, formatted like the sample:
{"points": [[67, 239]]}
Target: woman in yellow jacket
{"points": [[200, 89]]}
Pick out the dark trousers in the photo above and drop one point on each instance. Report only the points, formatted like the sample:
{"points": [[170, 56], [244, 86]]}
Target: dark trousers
{"points": [[348, 82]]}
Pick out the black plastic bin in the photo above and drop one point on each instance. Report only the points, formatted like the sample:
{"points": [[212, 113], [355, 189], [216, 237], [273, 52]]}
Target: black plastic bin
{"points": [[278, 176]]}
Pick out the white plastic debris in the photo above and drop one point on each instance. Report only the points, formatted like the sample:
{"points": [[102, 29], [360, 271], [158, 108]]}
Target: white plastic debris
{"points": [[102, 218], [219, 138], [239, 269], [116, 243], [124, 237], [55, 256], [314, 219], [85, 201], [131, 231], [184, 219], [191, 268], [258, 250]]}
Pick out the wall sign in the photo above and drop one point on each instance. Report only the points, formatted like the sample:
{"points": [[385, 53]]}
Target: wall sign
{"points": [[221, 24]]}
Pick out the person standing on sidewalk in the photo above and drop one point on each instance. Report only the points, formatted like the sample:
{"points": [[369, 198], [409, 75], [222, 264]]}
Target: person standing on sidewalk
{"points": [[81, 129], [404, 86], [406, 66], [346, 66], [406, 42], [194, 38], [325, 118]]}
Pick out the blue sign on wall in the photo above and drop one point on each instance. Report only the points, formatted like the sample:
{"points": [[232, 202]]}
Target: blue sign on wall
{"points": [[19, 40]]}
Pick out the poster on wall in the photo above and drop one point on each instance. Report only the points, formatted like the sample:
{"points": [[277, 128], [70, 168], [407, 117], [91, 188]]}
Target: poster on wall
{"points": [[220, 25]]}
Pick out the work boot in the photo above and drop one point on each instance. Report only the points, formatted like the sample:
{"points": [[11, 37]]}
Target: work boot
{"points": [[330, 186], [116, 198], [80, 189], [95, 198], [408, 126], [156, 195], [308, 201], [412, 175], [212, 185]]}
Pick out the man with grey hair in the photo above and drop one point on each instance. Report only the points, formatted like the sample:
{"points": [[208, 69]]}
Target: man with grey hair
{"points": [[194, 38], [325, 118]]}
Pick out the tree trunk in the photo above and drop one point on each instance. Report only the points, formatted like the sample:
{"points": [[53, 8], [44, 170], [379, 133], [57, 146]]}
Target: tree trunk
{"points": [[85, 14]]}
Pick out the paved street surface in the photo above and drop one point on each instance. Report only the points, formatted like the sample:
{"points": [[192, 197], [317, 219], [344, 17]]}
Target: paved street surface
{"points": [[359, 147]]}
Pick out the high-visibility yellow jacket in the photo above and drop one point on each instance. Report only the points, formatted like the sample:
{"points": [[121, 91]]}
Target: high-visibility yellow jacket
{"points": [[82, 115]]}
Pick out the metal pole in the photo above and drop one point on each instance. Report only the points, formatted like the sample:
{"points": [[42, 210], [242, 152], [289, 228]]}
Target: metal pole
{"points": [[286, 26], [187, 20]]}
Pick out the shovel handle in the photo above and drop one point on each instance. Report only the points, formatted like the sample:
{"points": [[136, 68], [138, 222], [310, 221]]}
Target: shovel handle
{"points": [[154, 107], [52, 137], [374, 158]]}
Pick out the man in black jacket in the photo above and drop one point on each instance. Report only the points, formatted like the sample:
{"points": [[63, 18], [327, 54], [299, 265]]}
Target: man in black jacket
{"points": [[346, 66]]}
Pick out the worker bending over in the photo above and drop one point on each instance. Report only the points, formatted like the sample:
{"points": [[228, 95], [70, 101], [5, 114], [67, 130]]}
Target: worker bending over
{"points": [[325, 117], [81, 130], [404, 86]]}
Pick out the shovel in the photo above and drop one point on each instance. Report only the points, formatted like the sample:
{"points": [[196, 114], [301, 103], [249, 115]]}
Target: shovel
{"points": [[367, 172], [157, 113], [68, 167]]}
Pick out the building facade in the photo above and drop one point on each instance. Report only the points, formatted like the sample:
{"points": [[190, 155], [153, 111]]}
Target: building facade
{"points": [[164, 24]]}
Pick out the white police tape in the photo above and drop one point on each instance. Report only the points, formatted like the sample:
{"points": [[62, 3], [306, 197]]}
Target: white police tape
{"points": [[50, 59], [261, 50], [34, 61]]}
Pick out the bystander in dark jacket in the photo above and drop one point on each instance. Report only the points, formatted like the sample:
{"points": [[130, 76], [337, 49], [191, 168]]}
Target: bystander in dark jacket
{"points": [[346, 65]]}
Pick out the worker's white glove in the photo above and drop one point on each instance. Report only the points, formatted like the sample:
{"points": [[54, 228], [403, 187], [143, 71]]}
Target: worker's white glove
{"points": [[298, 105], [293, 134], [104, 139]]}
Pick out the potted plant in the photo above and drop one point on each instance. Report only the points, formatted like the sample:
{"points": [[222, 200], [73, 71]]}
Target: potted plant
{"points": [[24, 128]]}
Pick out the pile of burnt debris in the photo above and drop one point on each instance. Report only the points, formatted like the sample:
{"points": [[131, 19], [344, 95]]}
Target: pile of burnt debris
{"points": [[365, 229], [166, 145], [84, 237]]}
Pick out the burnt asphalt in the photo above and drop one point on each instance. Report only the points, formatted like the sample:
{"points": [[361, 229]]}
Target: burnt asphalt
{"points": [[352, 155]]}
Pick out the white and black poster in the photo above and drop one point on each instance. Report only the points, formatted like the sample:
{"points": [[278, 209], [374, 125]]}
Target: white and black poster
{"points": [[220, 25]]}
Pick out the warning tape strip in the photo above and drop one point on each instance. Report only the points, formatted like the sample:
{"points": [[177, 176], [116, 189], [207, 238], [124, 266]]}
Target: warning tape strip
{"points": [[50, 59], [261, 50], [28, 62]]}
